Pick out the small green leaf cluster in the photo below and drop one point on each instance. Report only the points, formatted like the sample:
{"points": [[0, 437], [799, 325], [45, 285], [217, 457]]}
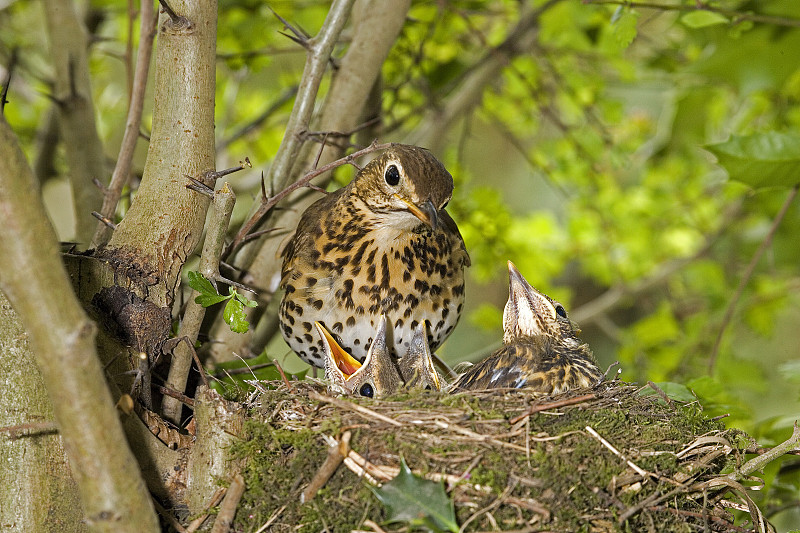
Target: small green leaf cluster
{"points": [[233, 314]]}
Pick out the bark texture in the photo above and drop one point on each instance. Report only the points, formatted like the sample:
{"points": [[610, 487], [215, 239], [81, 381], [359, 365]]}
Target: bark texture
{"points": [[62, 337], [165, 221], [38, 491]]}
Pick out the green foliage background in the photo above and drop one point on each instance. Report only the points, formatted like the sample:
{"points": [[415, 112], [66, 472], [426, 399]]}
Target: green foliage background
{"points": [[584, 162]]}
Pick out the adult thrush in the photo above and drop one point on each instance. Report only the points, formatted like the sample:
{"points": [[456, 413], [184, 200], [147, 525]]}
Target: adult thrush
{"points": [[380, 374], [382, 245], [540, 349]]}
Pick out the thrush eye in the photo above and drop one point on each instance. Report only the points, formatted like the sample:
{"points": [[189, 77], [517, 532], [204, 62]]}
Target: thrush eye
{"points": [[560, 311], [366, 390], [445, 204], [392, 175]]}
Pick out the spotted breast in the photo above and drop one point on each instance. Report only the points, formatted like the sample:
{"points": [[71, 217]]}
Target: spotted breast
{"points": [[382, 245]]}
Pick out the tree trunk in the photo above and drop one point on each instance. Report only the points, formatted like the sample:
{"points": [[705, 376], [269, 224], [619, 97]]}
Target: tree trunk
{"points": [[38, 493], [62, 337]]}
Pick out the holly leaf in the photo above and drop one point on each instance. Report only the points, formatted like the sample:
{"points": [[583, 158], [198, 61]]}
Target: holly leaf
{"points": [[768, 159], [417, 501], [234, 316]]}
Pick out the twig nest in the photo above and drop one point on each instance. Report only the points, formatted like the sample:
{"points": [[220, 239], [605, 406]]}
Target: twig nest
{"points": [[606, 459]]}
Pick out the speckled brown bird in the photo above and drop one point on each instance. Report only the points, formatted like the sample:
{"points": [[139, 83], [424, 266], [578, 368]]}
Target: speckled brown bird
{"points": [[383, 244], [380, 375], [540, 350]]}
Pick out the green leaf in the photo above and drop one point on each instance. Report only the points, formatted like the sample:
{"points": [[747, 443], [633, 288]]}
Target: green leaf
{"points": [[412, 499], [768, 159], [199, 283], [624, 27], [702, 18], [674, 391], [245, 301], [234, 316], [207, 300]]}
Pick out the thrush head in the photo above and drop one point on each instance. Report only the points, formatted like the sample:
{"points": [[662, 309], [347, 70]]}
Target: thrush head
{"points": [[376, 377], [530, 313], [416, 367], [404, 186]]}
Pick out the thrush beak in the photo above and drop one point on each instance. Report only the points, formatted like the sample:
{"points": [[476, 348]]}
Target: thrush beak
{"points": [[345, 362], [426, 212]]}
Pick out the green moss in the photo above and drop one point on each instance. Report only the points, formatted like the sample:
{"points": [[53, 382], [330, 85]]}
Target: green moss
{"points": [[556, 470]]}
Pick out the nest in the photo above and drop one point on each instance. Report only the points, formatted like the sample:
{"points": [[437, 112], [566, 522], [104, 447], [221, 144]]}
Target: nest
{"points": [[606, 459]]}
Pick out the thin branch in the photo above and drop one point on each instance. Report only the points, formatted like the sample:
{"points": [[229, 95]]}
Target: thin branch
{"points": [[336, 454], [254, 124], [222, 208], [757, 463], [316, 63], [227, 509], [343, 404], [268, 204], [589, 311], [749, 274], [122, 170], [700, 5], [552, 405], [644, 473], [12, 63]]}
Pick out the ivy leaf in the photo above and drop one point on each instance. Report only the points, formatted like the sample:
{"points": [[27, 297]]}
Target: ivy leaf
{"points": [[412, 499], [768, 159], [234, 316], [702, 18]]}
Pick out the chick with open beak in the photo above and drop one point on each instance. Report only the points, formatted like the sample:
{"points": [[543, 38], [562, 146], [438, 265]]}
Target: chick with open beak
{"points": [[379, 375]]}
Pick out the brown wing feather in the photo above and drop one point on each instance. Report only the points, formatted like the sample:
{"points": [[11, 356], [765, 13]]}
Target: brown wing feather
{"points": [[301, 244], [540, 364]]}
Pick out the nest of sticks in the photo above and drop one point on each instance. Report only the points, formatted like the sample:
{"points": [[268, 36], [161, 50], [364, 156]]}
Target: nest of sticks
{"points": [[608, 459]]}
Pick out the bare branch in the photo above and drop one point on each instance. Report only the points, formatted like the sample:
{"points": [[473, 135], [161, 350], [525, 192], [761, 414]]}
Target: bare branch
{"points": [[122, 170], [749, 274], [700, 5], [73, 94]]}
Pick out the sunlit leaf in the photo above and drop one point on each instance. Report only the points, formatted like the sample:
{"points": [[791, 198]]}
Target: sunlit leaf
{"points": [[234, 316], [702, 18], [417, 501], [207, 300], [624, 27], [768, 159]]}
